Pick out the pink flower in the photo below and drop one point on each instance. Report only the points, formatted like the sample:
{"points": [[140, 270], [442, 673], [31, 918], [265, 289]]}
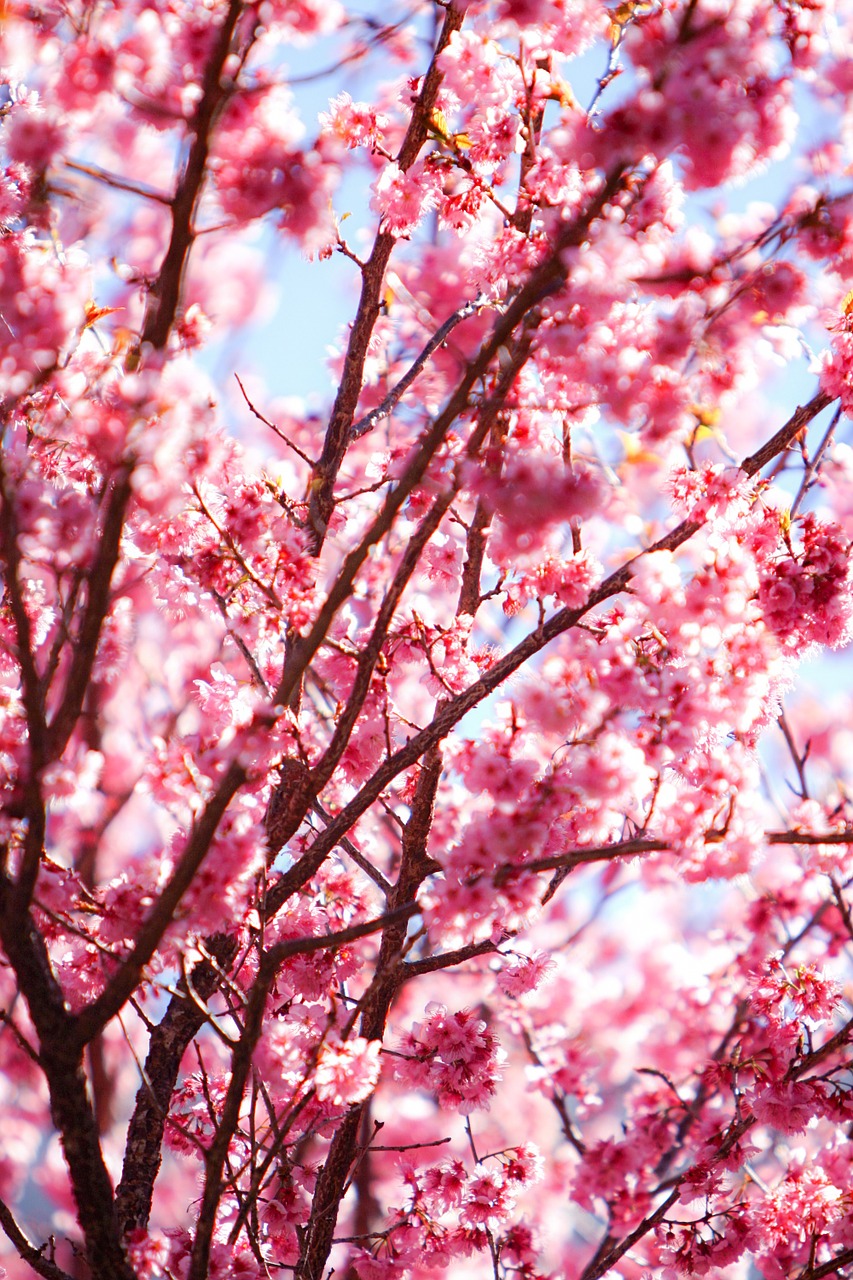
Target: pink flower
{"points": [[42, 301], [807, 597], [32, 136], [442, 559], [521, 974], [807, 991], [377, 1267], [786, 1105], [223, 701], [403, 199], [444, 1184], [485, 1200], [523, 1165], [836, 377], [452, 1055], [347, 1071], [712, 490], [799, 1208], [356, 124], [535, 490]]}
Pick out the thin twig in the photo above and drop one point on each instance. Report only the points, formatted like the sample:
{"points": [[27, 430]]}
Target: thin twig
{"points": [[127, 977], [277, 430], [237, 640], [27, 1250], [358, 858], [119, 183], [814, 463], [799, 760], [383, 410], [778, 443]]}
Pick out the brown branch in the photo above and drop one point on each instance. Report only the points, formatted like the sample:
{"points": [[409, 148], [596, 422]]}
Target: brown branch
{"points": [[602, 1264], [779, 442], [165, 294], [329, 941], [369, 655], [95, 611], [533, 118], [557, 1098], [61, 1060], [181, 1022], [543, 280], [239, 643], [32, 799], [429, 524], [318, 1234], [830, 1268], [127, 977], [838, 1041], [367, 313], [414, 968], [411, 1146], [227, 539], [813, 464], [452, 711], [372, 872], [475, 540], [115, 180], [386, 407], [241, 1063], [582, 855], [30, 684], [276, 430], [375, 1005], [809, 837], [27, 1250], [609, 1252]]}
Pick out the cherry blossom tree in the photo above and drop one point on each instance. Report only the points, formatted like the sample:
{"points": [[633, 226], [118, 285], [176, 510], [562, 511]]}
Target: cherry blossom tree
{"points": [[425, 849]]}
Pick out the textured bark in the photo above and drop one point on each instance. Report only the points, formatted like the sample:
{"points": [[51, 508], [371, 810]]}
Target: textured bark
{"points": [[61, 1059], [182, 1020]]}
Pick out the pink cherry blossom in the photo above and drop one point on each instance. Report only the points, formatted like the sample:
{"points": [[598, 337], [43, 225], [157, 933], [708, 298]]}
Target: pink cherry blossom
{"points": [[347, 1073], [452, 1055], [357, 124], [404, 198], [426, 504]]}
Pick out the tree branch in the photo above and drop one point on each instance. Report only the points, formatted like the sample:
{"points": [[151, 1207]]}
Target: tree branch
{"points": [[127, 977], [32, 800], [373, 275], [241, 1063], [375, 1006], [779, 442], [451, 712], [181, 1022], [98, 581], [60, 1058], [27, 1250], [383, 410], [541, 282], [369, 655], [165, 294]]}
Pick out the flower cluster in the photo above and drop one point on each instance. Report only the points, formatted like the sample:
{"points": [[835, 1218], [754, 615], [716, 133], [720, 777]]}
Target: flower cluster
{"points": [[423, 851], [452, 1056], [806, 595]]}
